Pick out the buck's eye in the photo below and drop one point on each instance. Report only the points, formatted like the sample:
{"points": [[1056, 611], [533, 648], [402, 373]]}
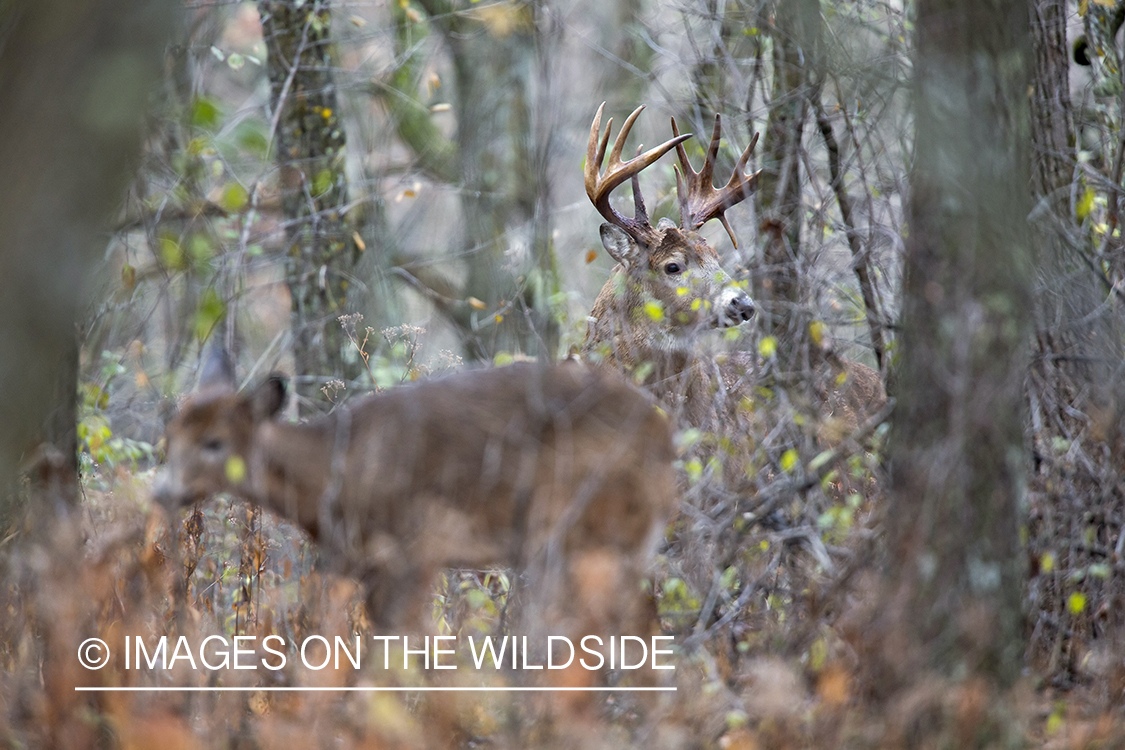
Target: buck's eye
{"points": [[673, 268], [213, 445]]}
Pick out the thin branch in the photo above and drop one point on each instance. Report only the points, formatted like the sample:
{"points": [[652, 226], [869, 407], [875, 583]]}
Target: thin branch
{"points": [[859, 257]]}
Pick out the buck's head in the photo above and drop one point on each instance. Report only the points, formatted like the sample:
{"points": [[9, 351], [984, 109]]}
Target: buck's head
{"points": [[669, 264], [210, 442]]}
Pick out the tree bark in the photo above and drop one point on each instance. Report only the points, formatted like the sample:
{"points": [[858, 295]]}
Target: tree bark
{"points": [[497, 54], [309, 142], [957, 455], [77, 76], [796, 62], [1052, 134]]}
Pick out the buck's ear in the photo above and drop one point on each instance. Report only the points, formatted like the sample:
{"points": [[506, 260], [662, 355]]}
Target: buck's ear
{"points": [[268, 397], [620, 245]]}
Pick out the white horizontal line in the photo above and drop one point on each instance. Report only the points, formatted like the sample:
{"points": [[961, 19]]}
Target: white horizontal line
{"points": [[429, 689]]}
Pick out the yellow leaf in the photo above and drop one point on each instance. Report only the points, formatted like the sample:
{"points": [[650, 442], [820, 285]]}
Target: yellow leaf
{"points": [[1047, 562], [171, 254], [681, 291], [817, 331], [654, 310], [1085, 204], [235, 469], [1076, 603], [818, 654], [789, 460], [498, 318], [501, 19], [234, 197], [767, 347], [696, 304]]}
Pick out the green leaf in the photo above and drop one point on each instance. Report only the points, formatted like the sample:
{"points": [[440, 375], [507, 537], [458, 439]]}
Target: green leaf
{"points": [[250, 135], [234, 197], [789, 460], [688, 437], [210, 311], [171, 255], [819, 460], [1100, 570], [204, 113], [201, 250], [322, 183]]}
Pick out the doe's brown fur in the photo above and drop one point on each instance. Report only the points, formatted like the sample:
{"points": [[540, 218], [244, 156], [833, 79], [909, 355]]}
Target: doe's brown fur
{"points": [[553, 470]]}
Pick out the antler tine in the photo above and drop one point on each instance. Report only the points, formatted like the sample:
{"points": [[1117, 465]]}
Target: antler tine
{"points": [[699, 200], [599, 186], [619, 144], [639, 210], [706, 175]]}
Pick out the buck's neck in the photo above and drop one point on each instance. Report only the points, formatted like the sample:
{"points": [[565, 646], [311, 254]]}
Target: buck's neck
{"points": [[626, 336]]}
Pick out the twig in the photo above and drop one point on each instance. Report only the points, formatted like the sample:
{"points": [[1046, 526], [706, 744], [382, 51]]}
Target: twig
{"points": [[770, 497], [859, 257]]}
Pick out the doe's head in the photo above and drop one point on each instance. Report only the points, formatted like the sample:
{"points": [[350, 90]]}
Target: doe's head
{"points": [[210, 441]]}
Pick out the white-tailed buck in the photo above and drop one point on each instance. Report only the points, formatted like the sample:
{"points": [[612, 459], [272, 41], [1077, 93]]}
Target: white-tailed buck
{"points": [[561, 472], [669, 285]]}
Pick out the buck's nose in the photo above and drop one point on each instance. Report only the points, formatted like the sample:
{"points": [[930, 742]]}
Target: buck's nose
{"points": [[740, 308]]}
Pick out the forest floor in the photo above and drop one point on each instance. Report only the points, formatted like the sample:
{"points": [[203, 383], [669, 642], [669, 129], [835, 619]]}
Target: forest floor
{"points": [[777, 652]]}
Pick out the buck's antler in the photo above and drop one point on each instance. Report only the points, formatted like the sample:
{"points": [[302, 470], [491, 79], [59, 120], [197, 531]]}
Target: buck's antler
{"points": [[599, 186], [701, 202]]}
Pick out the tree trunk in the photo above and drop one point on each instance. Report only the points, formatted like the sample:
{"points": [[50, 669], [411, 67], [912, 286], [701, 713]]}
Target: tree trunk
{"points": [[958, 454], [1052, 136], [72, 101], [309, 142], [497, 57], [796, 62]]}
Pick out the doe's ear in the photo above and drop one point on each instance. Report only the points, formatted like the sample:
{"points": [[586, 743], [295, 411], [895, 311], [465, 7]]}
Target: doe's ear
{"points": [[217, 367], [621, 247], [268, 397]]}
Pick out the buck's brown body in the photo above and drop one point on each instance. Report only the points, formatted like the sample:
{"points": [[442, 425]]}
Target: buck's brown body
{"points": [[557, 470]]}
